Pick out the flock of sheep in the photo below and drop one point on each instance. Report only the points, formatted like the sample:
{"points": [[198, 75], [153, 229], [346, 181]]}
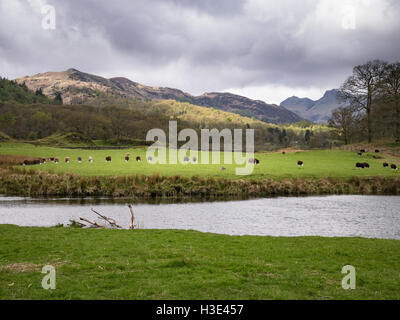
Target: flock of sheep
{"points": [[361, 165]]}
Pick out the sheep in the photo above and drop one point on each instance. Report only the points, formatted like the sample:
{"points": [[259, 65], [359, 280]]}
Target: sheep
{"points": [[56, 160], [108, 159], [186, 159], [366, 165], [67, 160], [393, 166], [251, 160], [377, 151], [362, 151], [138, 159], [51, 159], [283, 152], [300, 163], [126, 158], [194, 159], [36, 161], [256, 161], [149, 159], [80, 159], [360, 154], [90, 159], [43, 161], [360, 165], [223, 168], [386, 165]]}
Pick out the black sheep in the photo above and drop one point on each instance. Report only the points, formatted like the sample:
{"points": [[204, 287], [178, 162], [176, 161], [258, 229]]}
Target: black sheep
{"points": [[138, 159], [394, 167], [386, 165], [256, 161], [79, 159], [360, 165], [366, 165], [377, 151], [126, 158], [108, 159], [300, 163], [362, 151]]}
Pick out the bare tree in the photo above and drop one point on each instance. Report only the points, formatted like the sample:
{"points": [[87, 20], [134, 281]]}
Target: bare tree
{"points": [[345, 119], [391, 93], [362, 89]]}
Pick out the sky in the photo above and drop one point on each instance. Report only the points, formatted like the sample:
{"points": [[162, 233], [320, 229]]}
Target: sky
{"points": [[266, 50]]}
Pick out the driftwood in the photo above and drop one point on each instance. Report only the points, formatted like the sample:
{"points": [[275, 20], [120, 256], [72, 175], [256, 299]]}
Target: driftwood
{"points": [[132, 226], [93, 224], [78, 223], [111, 221]]}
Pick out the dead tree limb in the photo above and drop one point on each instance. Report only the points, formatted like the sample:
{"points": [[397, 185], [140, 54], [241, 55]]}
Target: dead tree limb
{"points": [[78, 223], [111, 221], [132, 226], [93, 223]]}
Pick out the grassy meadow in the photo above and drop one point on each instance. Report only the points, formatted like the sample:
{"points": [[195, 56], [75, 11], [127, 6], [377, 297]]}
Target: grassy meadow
{"points": [[172, 264], [317, 163]]}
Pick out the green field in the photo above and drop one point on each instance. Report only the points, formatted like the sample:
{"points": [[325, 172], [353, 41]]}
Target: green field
{"points": [[317, 163], [171, 264]]}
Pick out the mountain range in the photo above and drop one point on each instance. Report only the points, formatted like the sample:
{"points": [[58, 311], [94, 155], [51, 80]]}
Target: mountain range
{"points": [[77, 87], [313, 110]]}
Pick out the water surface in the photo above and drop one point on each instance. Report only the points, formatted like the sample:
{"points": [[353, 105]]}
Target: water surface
{"points": [[331, 216]]}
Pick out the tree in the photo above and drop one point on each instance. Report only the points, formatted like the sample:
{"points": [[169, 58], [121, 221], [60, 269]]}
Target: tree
{"points": [[345, 120], [362, 90], [58, 99], [391, 94]]}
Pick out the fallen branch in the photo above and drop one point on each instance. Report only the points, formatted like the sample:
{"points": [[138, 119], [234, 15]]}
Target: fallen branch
{"points": [[111, 221], [93, 224], [78, 223], [132, 226]]}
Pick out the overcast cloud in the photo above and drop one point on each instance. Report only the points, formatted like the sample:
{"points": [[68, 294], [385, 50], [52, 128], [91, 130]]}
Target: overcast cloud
{"points": [[267, 50]]}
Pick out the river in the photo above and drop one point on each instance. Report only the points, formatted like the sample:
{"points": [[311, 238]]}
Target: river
{"points": [[330, 216]]}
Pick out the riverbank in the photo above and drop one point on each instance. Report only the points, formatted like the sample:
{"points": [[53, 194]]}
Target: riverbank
{"points": [[33, 183], [171, 264]]}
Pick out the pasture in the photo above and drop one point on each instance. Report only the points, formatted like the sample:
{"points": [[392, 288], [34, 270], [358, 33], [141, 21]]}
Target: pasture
{"points": [[172, 264], [317, 163]]}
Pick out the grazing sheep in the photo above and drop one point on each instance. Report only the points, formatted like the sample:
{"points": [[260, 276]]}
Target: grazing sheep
{"points": [[138, 159], [51, 159], [90, 159], [194, 159], [186, 159], [360, 154], [283, 152], [256, 161], [223, 168], [43, 161], [377, 151], [252, 160], [36, 161], [386, 165], [126, 158], [360, 165], [300, 163], [108, 159], [67, 160], [80, 159], [366, 165], [149, 159], [56, 160], [362, 150], [394, 167]]}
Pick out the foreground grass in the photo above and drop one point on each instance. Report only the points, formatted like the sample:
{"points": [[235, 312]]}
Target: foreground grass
{"points": [[170, 264], [317, 164]]}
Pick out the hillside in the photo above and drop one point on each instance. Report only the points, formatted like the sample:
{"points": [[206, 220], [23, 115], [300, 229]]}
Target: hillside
{"points": [[317, 111], [11, 91], [82, 88]]}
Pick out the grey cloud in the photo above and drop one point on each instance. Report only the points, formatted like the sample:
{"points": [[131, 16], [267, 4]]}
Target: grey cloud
{"points": [[201, 45]]}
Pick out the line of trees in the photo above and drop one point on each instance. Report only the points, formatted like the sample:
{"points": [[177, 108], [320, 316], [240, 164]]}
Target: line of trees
{"points": [[371, 103]]}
